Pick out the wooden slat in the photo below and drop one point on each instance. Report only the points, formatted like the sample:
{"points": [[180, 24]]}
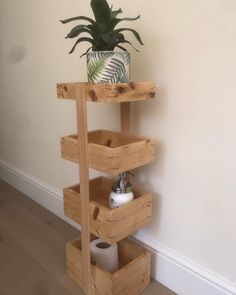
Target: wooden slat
{"points": [[120, 153], [123, 92], [125, 117], [81, 108], [111, 225]]}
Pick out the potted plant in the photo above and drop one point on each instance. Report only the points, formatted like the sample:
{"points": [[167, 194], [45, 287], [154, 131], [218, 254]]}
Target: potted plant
{"points": [[104, 64]]}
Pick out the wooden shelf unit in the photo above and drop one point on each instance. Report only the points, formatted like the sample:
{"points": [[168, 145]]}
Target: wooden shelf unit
{"points": [[87, 202]]}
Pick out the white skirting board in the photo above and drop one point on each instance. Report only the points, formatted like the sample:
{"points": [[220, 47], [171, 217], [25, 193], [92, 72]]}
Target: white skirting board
{"points": [[171, 269]]}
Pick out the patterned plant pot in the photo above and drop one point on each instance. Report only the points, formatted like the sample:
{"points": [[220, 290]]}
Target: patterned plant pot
{"points": [[108, 67]]}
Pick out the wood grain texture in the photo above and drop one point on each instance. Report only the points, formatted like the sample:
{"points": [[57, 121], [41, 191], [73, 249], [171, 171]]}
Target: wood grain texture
{"points": [[132, 277], [125, 117], [110, 225], [109, 92], [81, 107], [111, 152]]}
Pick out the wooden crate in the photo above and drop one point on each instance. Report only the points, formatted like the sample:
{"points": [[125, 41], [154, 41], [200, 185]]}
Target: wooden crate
{"points": [[110, 225], [131, 278], [111, 152], [122, 92]]}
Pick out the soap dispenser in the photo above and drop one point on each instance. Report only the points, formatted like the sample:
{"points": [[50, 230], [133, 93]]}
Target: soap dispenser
{"points": [[121, 191]]}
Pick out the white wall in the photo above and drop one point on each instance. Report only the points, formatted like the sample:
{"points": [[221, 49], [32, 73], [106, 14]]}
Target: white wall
{"points": [[189, 52]]}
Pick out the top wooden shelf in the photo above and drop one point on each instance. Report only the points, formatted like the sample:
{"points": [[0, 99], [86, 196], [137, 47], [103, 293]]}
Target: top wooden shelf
{"points": [[115, 93]]}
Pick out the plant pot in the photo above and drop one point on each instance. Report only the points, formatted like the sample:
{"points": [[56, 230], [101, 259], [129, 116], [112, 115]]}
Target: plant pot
{"points": [[108, 67]]}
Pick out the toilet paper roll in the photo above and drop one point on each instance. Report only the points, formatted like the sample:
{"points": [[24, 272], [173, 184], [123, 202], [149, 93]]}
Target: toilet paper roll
{"points": [[105, 255]]}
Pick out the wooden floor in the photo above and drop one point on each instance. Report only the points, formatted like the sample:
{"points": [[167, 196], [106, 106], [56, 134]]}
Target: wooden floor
{"points": [[32, 256]]}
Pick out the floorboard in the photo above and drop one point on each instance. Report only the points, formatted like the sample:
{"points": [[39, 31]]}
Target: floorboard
{"points": [[21, 274]]}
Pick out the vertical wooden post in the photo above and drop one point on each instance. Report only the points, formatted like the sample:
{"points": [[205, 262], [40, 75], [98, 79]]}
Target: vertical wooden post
{"points": [[125, 117], [81, 107]]}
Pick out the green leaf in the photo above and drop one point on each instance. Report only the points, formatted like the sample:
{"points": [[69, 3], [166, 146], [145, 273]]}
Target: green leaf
{"points": [[114, 13], [102, 33], [78, 18], [100, 44], [76, 31], [110, 38], [116, 21], [121, 47], [101, 11], [85, 52], [125, 41], [82, 39], [121, 38], [133, 31], [129, 18]]}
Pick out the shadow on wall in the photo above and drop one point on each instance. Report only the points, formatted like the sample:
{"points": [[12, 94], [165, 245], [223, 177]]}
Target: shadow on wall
{"points": [[16, 54], [148, 178]]}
